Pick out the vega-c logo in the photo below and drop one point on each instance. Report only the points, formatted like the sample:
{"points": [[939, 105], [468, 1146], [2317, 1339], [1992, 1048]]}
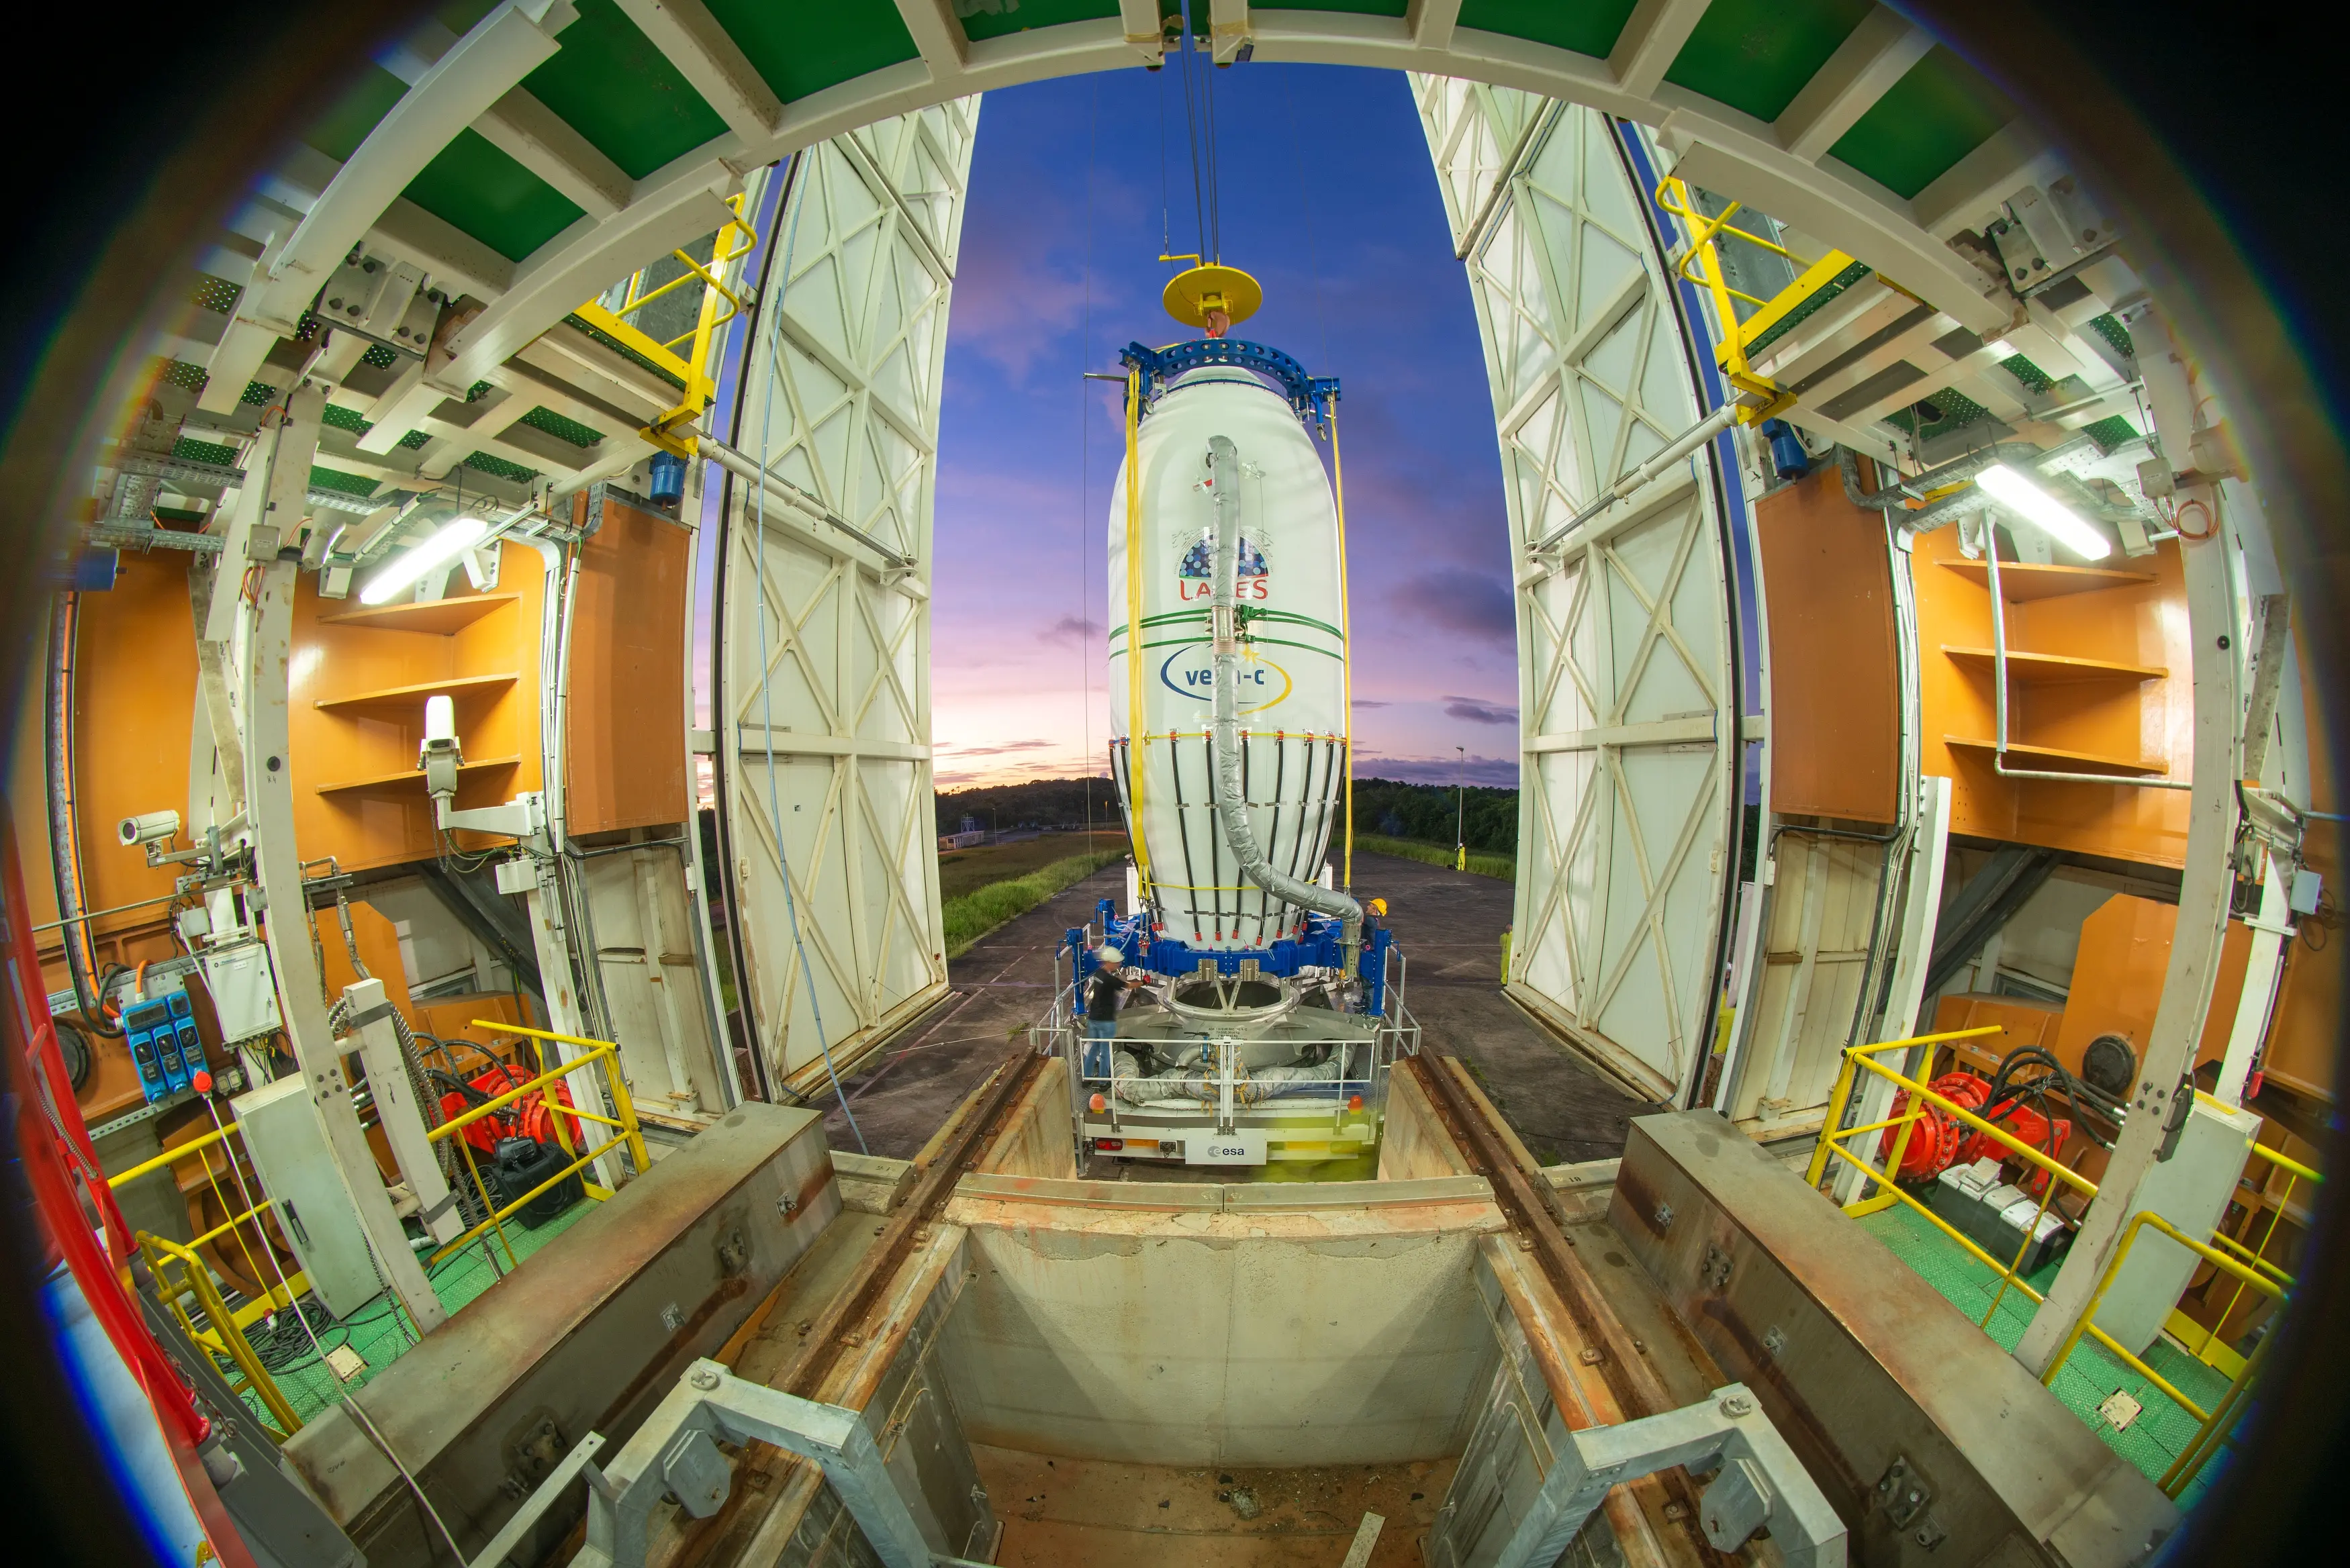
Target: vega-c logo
{"points": [[1190, 671]]}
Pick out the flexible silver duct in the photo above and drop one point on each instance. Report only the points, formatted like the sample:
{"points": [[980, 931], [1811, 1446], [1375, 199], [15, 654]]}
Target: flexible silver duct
{"points": [[1198, 1082], [1223, 466]]}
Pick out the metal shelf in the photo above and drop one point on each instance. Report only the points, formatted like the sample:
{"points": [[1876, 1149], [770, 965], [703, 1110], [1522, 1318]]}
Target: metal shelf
{"points": [[2056, 668], [2021, 582], [411, 779], [2057, 760], [412, 696], [440, 618]]}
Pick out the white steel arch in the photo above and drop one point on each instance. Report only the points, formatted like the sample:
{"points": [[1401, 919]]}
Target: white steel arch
{"points": [[823, 701], [1626, 686]]}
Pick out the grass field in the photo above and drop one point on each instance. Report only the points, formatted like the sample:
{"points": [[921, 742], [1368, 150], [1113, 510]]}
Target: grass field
{"points": [[981, 888], [965, 871], [1480, 862]]}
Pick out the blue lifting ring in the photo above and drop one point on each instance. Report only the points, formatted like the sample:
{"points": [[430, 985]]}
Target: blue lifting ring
{"points": [[1312, 396]]}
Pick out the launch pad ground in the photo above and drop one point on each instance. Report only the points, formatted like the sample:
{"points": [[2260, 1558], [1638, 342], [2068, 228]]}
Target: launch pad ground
{"points": [[1447, 924]]}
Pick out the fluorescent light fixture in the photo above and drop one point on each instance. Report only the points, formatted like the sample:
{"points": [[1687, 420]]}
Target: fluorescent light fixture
{"points": [[2043, 511], [402, 574]]}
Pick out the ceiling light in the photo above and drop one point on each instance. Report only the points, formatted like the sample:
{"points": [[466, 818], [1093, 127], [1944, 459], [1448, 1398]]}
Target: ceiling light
{"points": [[460, 534], [2036, 507]]}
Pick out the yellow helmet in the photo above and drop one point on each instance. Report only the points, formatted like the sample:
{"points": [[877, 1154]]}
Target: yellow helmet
{"points": [[1378, 906]]}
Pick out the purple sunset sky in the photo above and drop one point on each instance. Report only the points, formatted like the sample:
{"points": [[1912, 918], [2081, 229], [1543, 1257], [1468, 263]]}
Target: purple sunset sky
{"points": [[1327, 196]]}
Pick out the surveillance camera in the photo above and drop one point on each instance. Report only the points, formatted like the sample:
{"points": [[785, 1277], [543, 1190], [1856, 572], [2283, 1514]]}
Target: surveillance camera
{"points": [[151, 828]]}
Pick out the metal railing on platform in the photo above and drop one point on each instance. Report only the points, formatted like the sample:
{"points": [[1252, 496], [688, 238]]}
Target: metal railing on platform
{"points": [[604, 1054], [188, 1290], [2249, 1267]]}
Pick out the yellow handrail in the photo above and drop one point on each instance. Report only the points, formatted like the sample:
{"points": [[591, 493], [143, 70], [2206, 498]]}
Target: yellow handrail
{"points": [[616, 1084], [224, 1335], [178, 1152], [2139, 1222], [733, 241], [596, 1053], [2256, 1273]]}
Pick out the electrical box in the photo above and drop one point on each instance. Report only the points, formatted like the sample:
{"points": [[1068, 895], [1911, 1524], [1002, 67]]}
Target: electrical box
{"points": [[161, 1032], [1996, 1215], [314, 1208], [244, 992], [2191, 1189]]}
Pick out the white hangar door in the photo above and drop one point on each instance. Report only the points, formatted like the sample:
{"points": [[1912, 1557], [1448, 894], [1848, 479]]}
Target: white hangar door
{"points": [[822, 708], [1627, 692]]}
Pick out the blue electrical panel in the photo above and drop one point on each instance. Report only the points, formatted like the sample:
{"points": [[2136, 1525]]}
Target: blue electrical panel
{"points": [[162, 1034]]}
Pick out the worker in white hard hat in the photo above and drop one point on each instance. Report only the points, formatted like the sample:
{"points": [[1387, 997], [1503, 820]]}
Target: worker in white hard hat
{"points": [[1103, 997]]}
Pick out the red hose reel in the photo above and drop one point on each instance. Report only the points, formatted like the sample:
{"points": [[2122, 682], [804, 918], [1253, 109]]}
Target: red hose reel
{"points": [[1938, 1140], [529, 1116]]}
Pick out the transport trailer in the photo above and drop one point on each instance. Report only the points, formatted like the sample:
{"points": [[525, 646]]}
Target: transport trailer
{"points": [[1228, 1058]]}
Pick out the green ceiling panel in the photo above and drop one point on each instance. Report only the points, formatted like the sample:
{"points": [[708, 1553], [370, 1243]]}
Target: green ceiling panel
{"points": [[804, 48], [1935, 115], [2110, 432], [490, 197], [1756, 55], [341, 128], [1587, 27], [499, 468], [348, 484], [621, 93], [555, 424], [994, 18], [188, 449]]}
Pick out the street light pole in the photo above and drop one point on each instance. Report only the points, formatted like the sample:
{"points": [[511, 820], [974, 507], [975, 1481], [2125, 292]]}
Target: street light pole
{"points": [[1460, 813]]}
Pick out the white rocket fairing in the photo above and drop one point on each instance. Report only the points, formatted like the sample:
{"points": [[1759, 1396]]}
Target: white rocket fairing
{"points": [[1291, 624]]}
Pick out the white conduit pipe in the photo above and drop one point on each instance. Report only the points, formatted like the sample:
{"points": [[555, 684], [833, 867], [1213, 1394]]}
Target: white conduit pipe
{"points": [[1232, 806], [1704, 431], [800, 500]]}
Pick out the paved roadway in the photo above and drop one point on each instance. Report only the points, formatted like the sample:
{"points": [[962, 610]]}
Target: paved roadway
{"points": [[1448, 923]]}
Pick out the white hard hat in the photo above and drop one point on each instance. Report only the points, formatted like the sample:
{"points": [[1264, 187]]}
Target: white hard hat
{"points": [[1109, 956]]}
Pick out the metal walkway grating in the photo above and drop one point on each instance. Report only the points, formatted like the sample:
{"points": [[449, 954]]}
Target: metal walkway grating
{"points": [[2154, 1438]]}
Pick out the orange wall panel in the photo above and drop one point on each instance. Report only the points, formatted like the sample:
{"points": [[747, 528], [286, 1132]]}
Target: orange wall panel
{"points": [[625, 763], [135, 703], [342, 652], [1834, 682], [2139, 624], [2118, 978]]}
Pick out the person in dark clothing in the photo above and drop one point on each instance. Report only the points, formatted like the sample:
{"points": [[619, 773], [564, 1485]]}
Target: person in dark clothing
{"points": [[1104, 995]]}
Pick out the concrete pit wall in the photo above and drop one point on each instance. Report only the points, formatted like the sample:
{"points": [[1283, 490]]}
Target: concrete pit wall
{"points": [[1277, 1325]]}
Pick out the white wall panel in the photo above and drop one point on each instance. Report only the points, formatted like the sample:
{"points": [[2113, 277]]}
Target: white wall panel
{"points": [[824, 703], [1626, 688]]}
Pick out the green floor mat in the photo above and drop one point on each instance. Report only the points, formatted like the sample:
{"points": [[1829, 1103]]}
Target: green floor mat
{"points": [[2090, 1374], [379, 1333]]}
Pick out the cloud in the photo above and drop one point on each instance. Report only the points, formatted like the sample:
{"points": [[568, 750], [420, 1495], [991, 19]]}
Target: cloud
{"points": [[1474, 604], [995, 750], [1365, 702], [1476, 711], [1071, 628]]}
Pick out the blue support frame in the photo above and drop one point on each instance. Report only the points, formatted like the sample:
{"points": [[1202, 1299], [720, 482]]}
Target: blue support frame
{"points": [[1320, 948], [1314, 397]]}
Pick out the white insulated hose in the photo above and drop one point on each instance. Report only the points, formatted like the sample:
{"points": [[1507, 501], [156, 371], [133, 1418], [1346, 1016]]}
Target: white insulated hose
{"points": [[1223, 464]]}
